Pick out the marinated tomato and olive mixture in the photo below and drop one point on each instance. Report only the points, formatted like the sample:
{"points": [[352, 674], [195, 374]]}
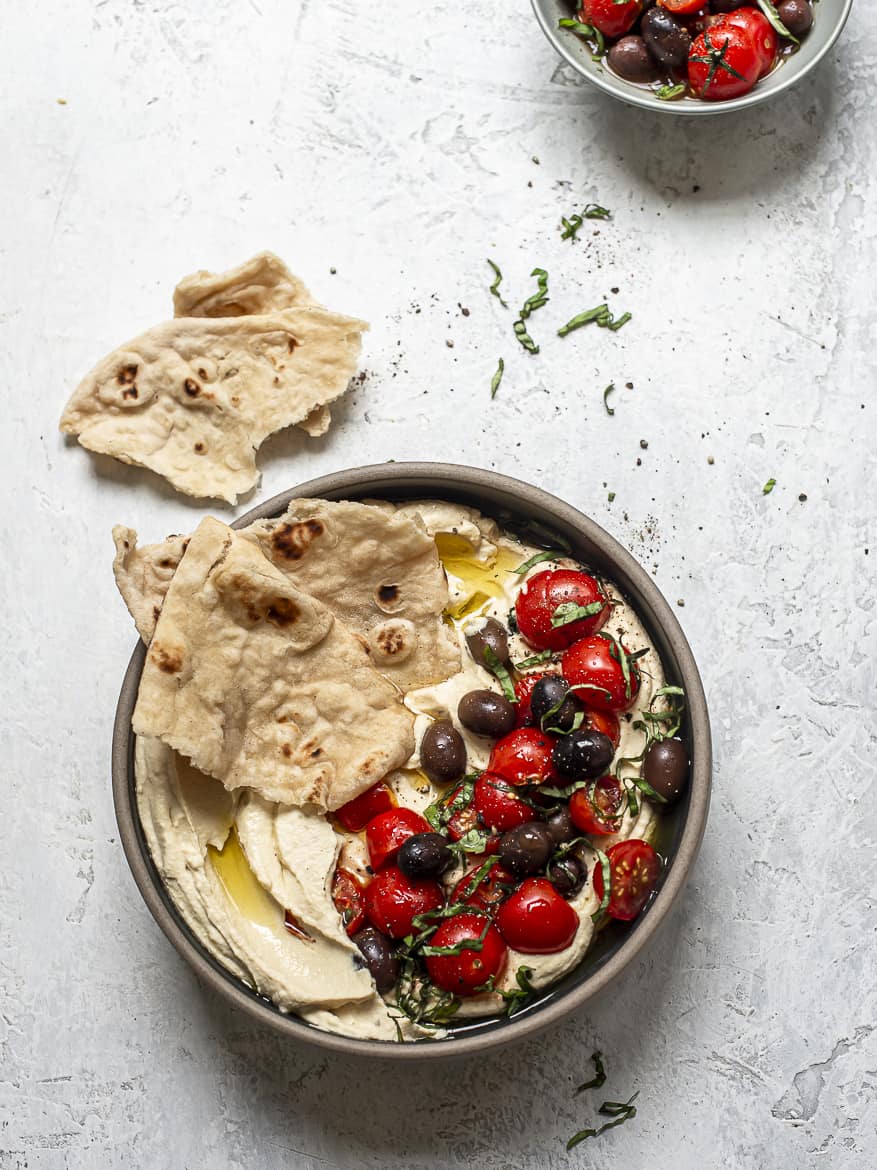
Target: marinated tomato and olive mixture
{"points": [[708, 49], [525, 822]]}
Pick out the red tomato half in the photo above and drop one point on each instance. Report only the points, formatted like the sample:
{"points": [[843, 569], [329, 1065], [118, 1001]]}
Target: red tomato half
{"points": [[605, 722], [723, 62], [348, 894], [759, 28], [493, 888], [465, 973], [682, 7], [357, 813], [543, 595], [594, 665], [535, 920], [386, 833], [600, 814], [498, 806], [634, 869], [524, 692], [393, 901], [612, 17], [523, 756]]}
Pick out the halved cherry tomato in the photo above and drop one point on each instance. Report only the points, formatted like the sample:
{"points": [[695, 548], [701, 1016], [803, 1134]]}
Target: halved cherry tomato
{"points": [[759, 28], [600, 814], [356, 814], [466, 972], [393, 901], [498, 806], [634, 869], [556, 594], [386, 833], [486, 894], [595, 666], [536, 920], [348, 894], [723, 62], [602, 721], [682, 7], [524, 692], [523, 756], [612, 17]]}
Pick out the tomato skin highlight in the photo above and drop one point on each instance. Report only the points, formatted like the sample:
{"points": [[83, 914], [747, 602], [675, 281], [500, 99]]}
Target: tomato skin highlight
{"points": [[356, 814], [634, 869], [386, 833], [523, 756], [603, 721], [761, 32], [536, 920], [466, 973], [735, 49], [609, 801], [612, 17], [543, 593], [591, 664], [348, 897], [393, 901], [498, 807]]}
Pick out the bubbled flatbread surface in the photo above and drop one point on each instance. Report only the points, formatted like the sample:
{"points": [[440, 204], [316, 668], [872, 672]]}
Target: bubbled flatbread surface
{"points": [[259, 685], [195, 397]]}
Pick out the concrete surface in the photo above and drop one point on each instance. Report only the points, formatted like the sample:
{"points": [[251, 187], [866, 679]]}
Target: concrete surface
{"points": [[399, 145]]}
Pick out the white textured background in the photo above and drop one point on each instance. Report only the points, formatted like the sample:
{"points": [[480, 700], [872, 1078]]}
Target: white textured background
{"points": [[397, 143]]}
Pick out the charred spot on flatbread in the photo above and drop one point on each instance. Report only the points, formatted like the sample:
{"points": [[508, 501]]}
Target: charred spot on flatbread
{"points": [[167, 660], [290, 542], [393, 641]]}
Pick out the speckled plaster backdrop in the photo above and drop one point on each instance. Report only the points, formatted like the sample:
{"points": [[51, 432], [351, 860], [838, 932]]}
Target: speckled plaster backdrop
{"points": [[401, 146]]}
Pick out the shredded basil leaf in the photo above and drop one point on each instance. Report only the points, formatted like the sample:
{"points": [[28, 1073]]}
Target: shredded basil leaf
{"points": [[497, 378], [614, 326], [568, 612], [606, 872], [534, 560], [465, 944], [538, 298], [620, 1110], [610, 389], [499, 672], [599, 1077], [595, 211], [588, 33], [570, 226], [768, 487], [494, 288], [769, 10], [668, 92], [535, 660], [524, 337], [585, 318]]}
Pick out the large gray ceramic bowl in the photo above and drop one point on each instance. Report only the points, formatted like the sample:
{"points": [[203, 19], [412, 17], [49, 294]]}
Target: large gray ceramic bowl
{"points": [[830, 16], [509, 501]]}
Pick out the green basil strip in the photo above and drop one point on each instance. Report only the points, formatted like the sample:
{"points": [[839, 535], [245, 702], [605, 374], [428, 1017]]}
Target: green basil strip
{"points": [[769, 10], [535, 660], [595, 211], [668, 92], [616, 325], [568, 612], [646, 788], [570, 226], [609, 390], [497, 378], [534, 560], [524, 337], [586, 318], [606, 872], [499, 672], [538, 298], [599, 1077], [494, 288], [768, 487], [478, 877]]}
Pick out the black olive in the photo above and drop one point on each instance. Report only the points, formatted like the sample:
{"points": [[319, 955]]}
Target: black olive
{"points": [[631, 60], [567, 874], [796, 15], [583, 753], [425, 855], [548, 693], [525, 849], [486, 713], [667, 40], [377, 950], [560, 826], [488, 633], [442, 752], [665, 767]]}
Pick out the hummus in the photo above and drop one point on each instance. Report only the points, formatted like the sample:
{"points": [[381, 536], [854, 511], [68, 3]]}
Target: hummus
{"points": [[252, 878]]}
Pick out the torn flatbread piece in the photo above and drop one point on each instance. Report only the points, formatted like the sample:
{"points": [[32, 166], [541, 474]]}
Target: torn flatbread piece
{"points": [[260, 686], [262, 284], [143, 575], [195, 397]]}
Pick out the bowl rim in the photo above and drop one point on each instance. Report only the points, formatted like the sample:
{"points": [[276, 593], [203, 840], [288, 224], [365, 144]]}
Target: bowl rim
{"points": [[427, 480], [645, 100]]}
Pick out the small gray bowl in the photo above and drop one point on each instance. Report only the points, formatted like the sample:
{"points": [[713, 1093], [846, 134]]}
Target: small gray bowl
{"points": [[508, 500], [830, 16]]}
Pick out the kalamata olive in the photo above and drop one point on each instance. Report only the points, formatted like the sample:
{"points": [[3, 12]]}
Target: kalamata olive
{"points": [[665, 767], [425, 855], [525, 850], [486, 713], [583, 753], [487, 633], [666, 39], [560, 826], [567, 874], [630, 59], [796, 15], [377, 950], [442, 752], [549, 693]]}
